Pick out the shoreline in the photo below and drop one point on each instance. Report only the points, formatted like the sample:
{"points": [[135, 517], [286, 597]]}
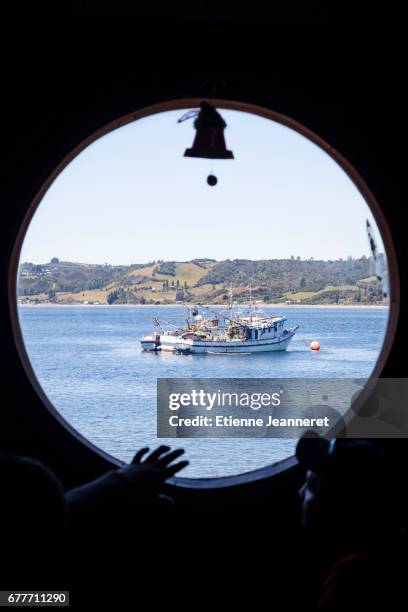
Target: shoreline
{"points": [[277, 306]]}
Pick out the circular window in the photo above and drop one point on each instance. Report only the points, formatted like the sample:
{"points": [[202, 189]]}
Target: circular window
{"points": [[129, 235]]}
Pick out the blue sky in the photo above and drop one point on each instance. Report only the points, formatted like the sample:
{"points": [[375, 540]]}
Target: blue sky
{"points": [[131, 197]]}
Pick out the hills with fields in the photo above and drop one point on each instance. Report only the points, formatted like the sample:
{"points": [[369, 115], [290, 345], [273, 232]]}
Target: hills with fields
{"points": [[201, 281]]}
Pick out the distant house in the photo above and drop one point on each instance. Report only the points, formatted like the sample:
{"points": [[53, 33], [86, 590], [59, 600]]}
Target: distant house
{"points": [[369, 286]]}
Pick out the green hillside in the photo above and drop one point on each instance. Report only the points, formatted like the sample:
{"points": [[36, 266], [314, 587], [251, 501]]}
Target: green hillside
{"points": [[200, 280]]}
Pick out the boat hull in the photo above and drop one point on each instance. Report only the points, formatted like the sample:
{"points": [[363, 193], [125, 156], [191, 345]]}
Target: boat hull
{"points": [[150, 342], [174, 344]]}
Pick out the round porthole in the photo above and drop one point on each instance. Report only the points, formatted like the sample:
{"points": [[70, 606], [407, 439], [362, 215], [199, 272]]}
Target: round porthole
{"points": [[127, 236]]}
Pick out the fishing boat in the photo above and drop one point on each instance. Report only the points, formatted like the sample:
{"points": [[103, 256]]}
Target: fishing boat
{"points": [[232, 332]]}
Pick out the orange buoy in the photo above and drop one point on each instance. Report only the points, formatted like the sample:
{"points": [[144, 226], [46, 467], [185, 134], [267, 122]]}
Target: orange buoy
{"points": [[315, 345]]}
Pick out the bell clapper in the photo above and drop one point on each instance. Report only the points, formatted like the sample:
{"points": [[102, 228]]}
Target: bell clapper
{"points": [[211, 178]]}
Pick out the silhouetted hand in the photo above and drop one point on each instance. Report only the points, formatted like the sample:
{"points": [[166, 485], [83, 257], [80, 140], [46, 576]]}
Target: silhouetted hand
{"points": [[156, 468]]}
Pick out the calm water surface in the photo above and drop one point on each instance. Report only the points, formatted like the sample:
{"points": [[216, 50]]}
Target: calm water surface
{"points": [[89, 363]]}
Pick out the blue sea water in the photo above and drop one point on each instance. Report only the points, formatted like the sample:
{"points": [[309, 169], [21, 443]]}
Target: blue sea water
{"points": [[89, 363]]}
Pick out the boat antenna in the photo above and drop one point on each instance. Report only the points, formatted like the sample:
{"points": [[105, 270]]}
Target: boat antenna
{"points": [[250, 302]]}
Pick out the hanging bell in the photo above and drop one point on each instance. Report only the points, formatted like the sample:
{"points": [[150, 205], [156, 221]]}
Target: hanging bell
{"points": [[209, 141]]}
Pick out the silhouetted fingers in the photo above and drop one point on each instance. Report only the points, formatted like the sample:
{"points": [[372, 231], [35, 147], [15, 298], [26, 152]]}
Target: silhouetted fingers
{"points": [[167, 459], [173, 469], [139, 454], [153, 457]]}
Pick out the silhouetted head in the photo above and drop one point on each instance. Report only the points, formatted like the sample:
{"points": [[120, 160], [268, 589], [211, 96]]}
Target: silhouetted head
{"points": [[348, 490], [31, 499]]}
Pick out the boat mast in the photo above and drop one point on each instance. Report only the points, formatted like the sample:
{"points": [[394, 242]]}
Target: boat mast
{"points": [[250, 303], [157, 323]]}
